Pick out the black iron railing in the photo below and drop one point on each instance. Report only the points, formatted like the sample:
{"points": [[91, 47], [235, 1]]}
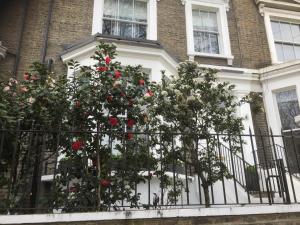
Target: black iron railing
{"points": [[146, 170]]}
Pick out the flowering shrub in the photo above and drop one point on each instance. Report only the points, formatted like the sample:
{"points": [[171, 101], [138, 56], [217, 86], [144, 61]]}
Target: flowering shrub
{"points": [[105, 98], [99, 112]]}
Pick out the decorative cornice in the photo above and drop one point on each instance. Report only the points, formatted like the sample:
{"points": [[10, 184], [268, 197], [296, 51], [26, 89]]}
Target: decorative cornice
{"points": [[226, 2], [280, 5], [261, 8], [2, 51]]}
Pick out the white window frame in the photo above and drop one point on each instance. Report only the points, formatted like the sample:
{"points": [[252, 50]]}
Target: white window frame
{"points": [[151, 18], [220, 7], [279, 15]]}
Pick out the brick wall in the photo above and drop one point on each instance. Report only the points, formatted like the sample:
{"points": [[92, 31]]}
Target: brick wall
{"points": [[71, 22], [268, 219], [171, 27]]}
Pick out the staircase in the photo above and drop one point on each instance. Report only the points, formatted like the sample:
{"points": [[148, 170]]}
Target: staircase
{"points": [[268, 182]]}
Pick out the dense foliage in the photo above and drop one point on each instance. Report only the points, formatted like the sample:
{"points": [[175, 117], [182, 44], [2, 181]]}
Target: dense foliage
{"points": [[111, 129]]}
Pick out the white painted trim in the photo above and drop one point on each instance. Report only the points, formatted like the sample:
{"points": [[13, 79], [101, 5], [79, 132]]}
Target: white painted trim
{"points": [[220, 6], [149, 214], [90, 49], [229, 68], [297, 120], [279, 14], [97, 16], [151, 18], [278, 3]]}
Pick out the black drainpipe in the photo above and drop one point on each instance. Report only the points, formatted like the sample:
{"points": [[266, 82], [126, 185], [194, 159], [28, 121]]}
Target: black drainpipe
{"points": [[20, 39], [46, 33]]}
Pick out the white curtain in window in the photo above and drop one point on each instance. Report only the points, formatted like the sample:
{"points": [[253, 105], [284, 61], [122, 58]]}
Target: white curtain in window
{"points": [[126, 10], [110, 8], [205, 27], [140, 11]]}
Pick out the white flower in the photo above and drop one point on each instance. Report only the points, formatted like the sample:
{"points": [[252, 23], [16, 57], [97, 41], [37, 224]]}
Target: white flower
{"points": [[31, 100], [177, 92], [117, 83], [164, 93], [171, 86], [127, 186], [6, 89], [12, 80], [191, 98]]}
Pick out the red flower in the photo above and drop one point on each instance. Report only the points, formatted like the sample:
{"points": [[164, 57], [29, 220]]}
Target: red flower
{"points": [[107, 60], [72, 189], [123, 94], [77, 145], [109, 98], [130, 123], [129, 136], [26, 76], [113, 121], [141, 82], [77, 103], [150, 93], [105, 183], [102, 69], [118, 74]]}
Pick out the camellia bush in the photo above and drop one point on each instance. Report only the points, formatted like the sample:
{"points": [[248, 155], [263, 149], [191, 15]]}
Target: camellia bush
{"points": [[193, 107], [89, 122], [110, 128]]}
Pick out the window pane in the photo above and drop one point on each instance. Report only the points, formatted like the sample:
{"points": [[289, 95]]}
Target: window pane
{"points": [[140, 31], [279, 52], [203, 20], [296, 32], [214, 44], [297, 52], [126, 29], [276, 30], [212, 21], [109, 27], [126, 9], [202, 42], [288, 106], [208, 21], [286, 32], [110, 8], [196, 20], [288, 51], [140, 11]]}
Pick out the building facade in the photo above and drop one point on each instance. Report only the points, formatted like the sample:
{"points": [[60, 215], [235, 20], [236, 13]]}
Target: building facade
{"points": [[254, 44]]}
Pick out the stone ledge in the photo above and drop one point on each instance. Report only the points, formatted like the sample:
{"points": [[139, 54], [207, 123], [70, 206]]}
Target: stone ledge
{"points": [[186, 213]]}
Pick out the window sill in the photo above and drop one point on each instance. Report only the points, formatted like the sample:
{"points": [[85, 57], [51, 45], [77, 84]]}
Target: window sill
{"points": [[208, 55]]}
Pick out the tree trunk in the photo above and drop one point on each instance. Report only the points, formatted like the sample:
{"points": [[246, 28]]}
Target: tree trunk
{"points": [[206, 195]]}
